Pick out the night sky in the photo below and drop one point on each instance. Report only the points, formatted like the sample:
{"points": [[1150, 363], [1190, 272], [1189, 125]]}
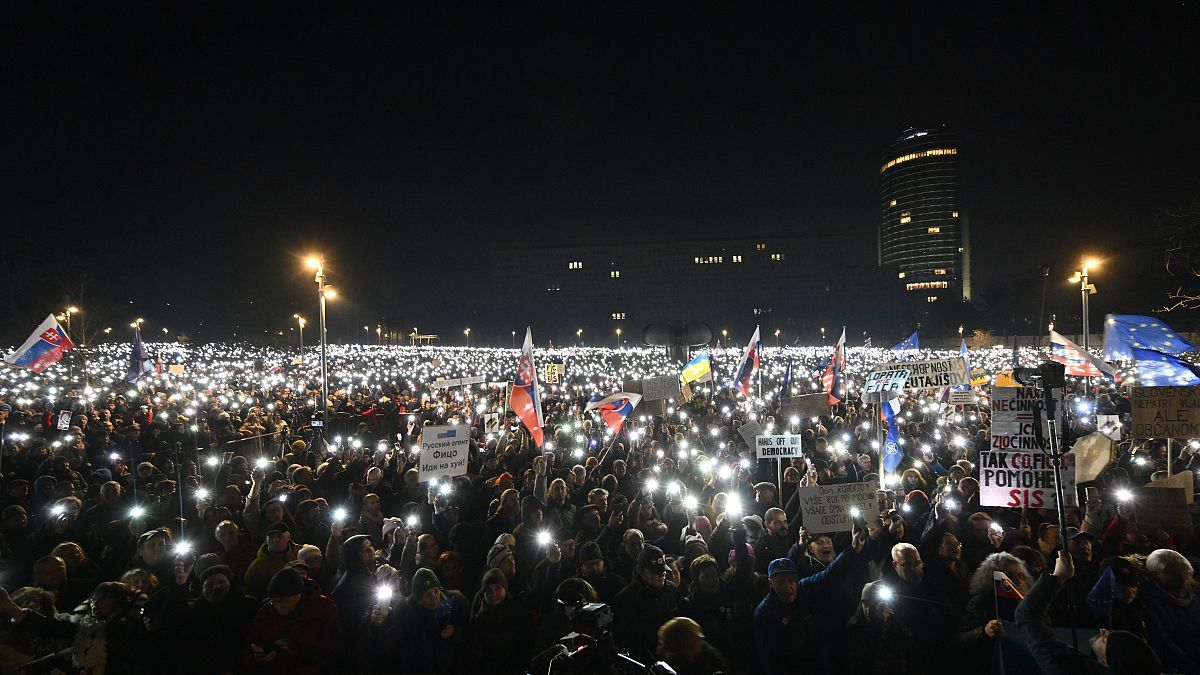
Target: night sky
{"points": [[191, 153]]}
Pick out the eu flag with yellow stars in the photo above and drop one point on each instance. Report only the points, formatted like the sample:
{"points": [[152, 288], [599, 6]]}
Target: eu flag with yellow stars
{"points": [[1125, 332]]}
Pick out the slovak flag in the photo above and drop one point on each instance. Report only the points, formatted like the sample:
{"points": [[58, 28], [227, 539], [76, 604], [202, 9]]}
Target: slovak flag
{"points": [[832, 381], [1005, 588], [524, 399], [615, 408], [745, 374], [1078, 362], [44, 347]]}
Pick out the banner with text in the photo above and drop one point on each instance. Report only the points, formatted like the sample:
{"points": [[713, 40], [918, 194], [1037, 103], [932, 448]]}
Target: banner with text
{"points": [[828, 508], [1012, 418], [1016, 479], [932, 374], [444, 451]]}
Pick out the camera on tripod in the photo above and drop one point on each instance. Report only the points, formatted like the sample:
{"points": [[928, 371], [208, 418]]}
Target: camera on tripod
{"points": [[589, 648], [1050, 375]]}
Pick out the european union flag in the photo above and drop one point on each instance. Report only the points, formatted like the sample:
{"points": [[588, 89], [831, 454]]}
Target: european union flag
{"points": [[908, 345], [1124, 333], [1156, 369]]}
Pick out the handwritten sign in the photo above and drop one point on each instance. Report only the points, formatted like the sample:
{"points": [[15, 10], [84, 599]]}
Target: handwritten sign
{"points": [[1165, 412], [1013, 418], [444, 451], [830, 508], [749, 430], [932, 374], [1163, 509], [886, 380]]}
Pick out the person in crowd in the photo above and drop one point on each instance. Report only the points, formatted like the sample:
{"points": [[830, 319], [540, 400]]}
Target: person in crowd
{"points": [[295, 631], [1172, 611], [275, 553]]}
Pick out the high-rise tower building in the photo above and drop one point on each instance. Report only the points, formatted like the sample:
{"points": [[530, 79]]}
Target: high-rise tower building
{"points": [[924, 233]]}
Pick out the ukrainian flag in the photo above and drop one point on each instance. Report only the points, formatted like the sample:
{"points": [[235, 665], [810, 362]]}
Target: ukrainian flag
{"points": [[699, 369]]}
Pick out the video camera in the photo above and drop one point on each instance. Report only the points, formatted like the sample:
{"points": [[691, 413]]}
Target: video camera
{"points": [[1050, 375], [589, 648]]}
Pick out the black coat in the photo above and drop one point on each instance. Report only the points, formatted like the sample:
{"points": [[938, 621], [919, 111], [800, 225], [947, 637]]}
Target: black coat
{"points": [[638, 611]]}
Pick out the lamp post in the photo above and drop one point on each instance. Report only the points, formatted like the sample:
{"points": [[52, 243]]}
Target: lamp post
{"points": [[618, 338], [467, 332], [514, 339], [822, 335], [724, 339], [1085, 289], [960, 332], [578, 337], [300, 321], [70, 362], [776, 339], [318, 264]]}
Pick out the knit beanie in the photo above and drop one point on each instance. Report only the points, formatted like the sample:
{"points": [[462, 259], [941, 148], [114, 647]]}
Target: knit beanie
{"points": [[423, 580], [286, 583], [496, 555]]}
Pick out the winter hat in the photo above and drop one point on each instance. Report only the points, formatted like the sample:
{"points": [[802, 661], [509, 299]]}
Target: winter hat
{"points": [[286, 583], [494, 576], [497, 555], [423, 580], [216, 569], [204, 563], [589, 552], [703, 525], [506, 539], [308, 552]]}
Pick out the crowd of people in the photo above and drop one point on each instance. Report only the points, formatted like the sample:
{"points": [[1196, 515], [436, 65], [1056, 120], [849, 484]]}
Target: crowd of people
{"points": [[200, 521]]}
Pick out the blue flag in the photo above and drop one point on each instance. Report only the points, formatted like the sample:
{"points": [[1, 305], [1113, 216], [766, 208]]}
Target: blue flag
{"points": [[908, 345], [1156, 369], [891, 445], [784, 389], [1124, 333], [962, 351]]}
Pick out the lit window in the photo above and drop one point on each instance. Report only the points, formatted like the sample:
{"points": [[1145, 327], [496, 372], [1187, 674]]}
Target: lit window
{"points": [[892, 203], [615, 274], [760, 247], [575, 265], [737, 258], [776, 257], [618, 316], [697, 260], [935, 230], [901, 275], [954, 214], [905, 217], [554, 287], [931, 298], [926, 285], [935, 152], [939, 271]]}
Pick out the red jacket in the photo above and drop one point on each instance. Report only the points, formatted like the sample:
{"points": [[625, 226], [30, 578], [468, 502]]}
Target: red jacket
{"points": [[312, 628]]}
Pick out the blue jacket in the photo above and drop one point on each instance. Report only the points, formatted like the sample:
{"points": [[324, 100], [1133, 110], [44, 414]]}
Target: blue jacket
{"points": [[1174, 630], [788, 635]]}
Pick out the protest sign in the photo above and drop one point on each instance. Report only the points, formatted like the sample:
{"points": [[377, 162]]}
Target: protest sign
{"points": [[777, 447], [805, 407], [1093, 453], [447, 382], [931, 374], [1163, 509], [551, 376], [1165, 412], [1109, 425], [1184, 480], [64, 420], [962, 397], [444, 451], [491, 423], [886, 380], [175, 369], [658, 388], [1012, 418], [748, 431], [827, 508], [1016, 479]]}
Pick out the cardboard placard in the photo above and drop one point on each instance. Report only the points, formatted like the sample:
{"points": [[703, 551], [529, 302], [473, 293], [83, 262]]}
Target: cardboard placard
{"points": [[1165, 412], [64, 420], [827, 508], [1184, 480], [749, 430], [657, 388], [1163, 509], [805, 407], [886, 380], [1094, 454]]}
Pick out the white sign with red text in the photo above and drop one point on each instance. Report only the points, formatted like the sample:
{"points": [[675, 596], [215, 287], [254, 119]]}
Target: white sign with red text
{"points": [[1017, 479]]}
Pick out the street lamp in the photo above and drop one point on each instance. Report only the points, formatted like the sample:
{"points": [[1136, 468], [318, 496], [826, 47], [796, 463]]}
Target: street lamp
{"points": [[318, 264], [467, 332], [1085, 289], [776, 339], [514, 339], [724, 338], [960, 331], [618, 338], [578, 337], [822, 334]]}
